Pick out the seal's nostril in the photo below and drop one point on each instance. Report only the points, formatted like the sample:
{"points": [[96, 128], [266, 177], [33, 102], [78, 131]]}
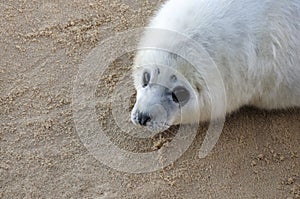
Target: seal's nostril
{"points": [[143, 119]]}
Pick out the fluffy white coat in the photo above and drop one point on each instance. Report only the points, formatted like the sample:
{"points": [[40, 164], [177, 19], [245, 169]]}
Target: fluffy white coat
{"points": [[254, 43]]}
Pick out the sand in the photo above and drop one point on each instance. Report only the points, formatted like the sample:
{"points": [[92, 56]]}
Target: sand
{"points": [[42, 46]]}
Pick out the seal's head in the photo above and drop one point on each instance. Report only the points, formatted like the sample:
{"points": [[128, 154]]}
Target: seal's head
{"points": [[164, 97]]}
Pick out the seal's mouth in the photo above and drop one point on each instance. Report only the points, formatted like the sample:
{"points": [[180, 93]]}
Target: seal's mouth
{"points": [[157, 127]]}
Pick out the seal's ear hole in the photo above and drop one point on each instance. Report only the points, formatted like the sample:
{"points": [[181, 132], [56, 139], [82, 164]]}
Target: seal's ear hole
{"points": [[180, 95], [198, 88]]}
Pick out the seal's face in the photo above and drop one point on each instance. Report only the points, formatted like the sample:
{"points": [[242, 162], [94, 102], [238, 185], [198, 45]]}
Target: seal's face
{"points": [[163, 98]]}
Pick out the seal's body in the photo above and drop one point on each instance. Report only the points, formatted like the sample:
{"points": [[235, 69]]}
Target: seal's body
{"points": [[254, 44]]}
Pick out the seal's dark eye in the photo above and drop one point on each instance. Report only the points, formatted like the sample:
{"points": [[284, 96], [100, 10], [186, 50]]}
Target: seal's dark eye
{"points": [[146, 79], [180, 95]]}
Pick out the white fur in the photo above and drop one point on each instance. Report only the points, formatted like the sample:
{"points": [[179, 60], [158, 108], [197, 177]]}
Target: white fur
{"points": [[254, 43]]}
